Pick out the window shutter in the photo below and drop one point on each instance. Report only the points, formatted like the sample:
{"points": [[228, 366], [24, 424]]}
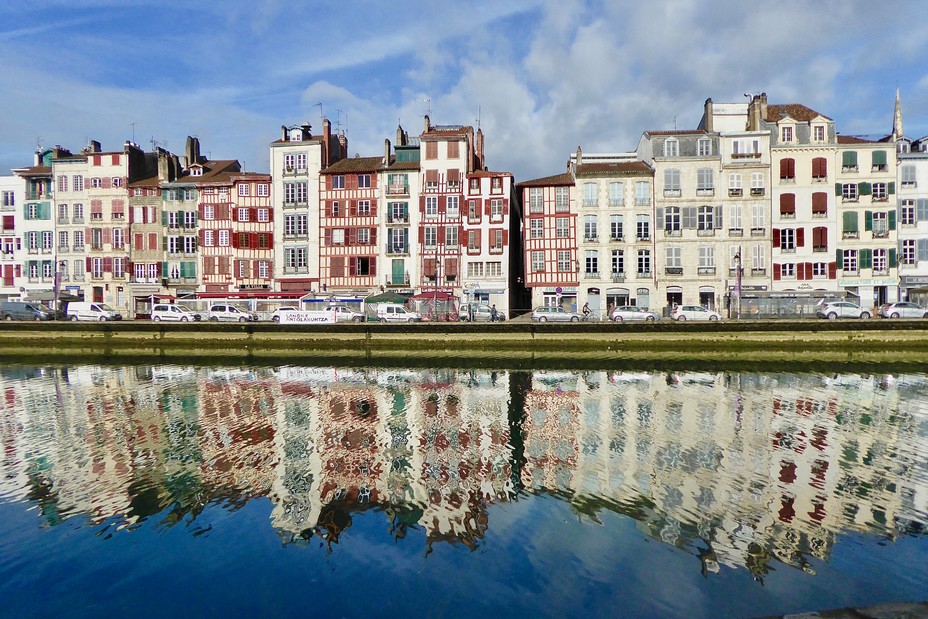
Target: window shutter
{"points": [[152, 240], [352, 266], [892, 188], [164, 218], [787, 204], [107, 236], [850, 222], [373, 236], [486, 207], [717, 218], [865, 189], [506, 208], [849, 159], [892, 219], [776, 271], [776, 237], [809, 270], [832, 270], [819, 202], [838, 189], [839, 258], [892, 257], [108, 265], [660, 217], [784, 168], [866, 258], [164, 243], [327, 236], [868, 220], [879, 157], [800, 237]]}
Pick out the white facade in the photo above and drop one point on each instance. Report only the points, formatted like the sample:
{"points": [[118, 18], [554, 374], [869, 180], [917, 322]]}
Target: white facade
{"points": [[12, 192], [912, 196]]}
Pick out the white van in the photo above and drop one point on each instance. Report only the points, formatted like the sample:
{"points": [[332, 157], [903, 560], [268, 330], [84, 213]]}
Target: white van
{"points": [[85, 310], [394, 312]]}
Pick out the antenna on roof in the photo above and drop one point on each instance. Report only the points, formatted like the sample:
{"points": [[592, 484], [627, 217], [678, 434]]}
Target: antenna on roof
{"points": [[338, 119], [133, 132], [478, 116], [321, 113], [675, 122], [428, 106]]}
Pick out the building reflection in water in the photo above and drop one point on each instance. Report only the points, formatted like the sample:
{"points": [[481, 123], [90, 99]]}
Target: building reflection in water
{"points": [[739, 470]]}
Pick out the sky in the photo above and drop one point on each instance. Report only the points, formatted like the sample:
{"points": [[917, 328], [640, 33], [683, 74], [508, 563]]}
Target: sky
{"points": [[539, 77]]}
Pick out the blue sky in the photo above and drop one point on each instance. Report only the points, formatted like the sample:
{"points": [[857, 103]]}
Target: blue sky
{"points": [[542, 76]]}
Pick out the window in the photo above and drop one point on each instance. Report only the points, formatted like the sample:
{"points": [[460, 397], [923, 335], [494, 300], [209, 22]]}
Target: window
{"points": [[338, 182], [880, 224], [209, 211], [589, 228], [672, 219], [295, 258], [644, 262], [758, 221], [850, 261], [757, 183], [8, 199], [79, 240], [244, 190], [591, 262], [820, 239], [536, 202], [671, 182], [849, 192], [47, 240], [704, 147], [787, 169], [96, 238], [364, 181], [674, 258], [819, 169], [264, 215], [879, 161], [618, 261], [908, 176], [849, 161], [62, 183], [224, 238], [561, 199], [787, 206], [786, 134], [735, 187], [671, 147], [908, 251], [398, 212], [78, 182], [496, 209], [364, 236], [563, 261], [706, 259], [119, 239], [538, 261], [616, 194], [615, 227], [536, 228], [589, 194], [562, 227], [242, 214], [190, 245], [264, 190], [880, 264], [301, 192], [494, 269], [338, 236], [758, 258], [705, 183], [820, 270], [880, 193], [430, 236], [642, 227], [431, 206], [96, 183], [496, 240], [818, 133], [642, 193], [787, 240], [788, 270], [819, 204], [300, 164], [908, 212], [63, 241], [364, 206], [745, 148], [849, 225], [451, 236], [474, 269], [208, 238], [705, 218]]}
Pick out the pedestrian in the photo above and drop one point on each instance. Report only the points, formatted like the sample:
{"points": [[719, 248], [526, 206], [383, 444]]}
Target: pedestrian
{"points": [[493, 313], [586, 309]]}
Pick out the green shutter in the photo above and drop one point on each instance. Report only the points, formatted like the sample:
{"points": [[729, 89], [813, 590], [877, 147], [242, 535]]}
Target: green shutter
{"points": [[25, 211], [868, 220], [866, 258], [892, 188], [838, 189], [164, 218], [849, 159], [865, 189], [850, 222], [45, 210], [164, 243], [892, 219], [164, 269], [879, 157], [839, 258], [892, 258]]}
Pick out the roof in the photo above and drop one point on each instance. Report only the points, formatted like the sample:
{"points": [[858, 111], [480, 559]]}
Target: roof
{"points": [[796, 111], [614, 168], [213, 172], [355, 164], [404, 165], [488, 173], [548, 181], [860, 139], [680, 132], [36, 170]]}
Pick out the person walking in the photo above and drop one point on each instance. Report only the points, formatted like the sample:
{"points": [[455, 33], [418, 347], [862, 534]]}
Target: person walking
{"points": [[493, 313]]}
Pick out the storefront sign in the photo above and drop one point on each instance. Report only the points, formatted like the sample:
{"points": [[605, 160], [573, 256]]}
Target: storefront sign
{"points": [[914, 280], [872, 281]]}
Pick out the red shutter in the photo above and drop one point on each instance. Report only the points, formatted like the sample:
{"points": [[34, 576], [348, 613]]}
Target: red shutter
{"points": [[352, 266], [800, 237], [139, 242], [87, 267], [787, 204], [776, 237], [108, 265], [373, 266], [328, 237], [486, 208], [776, 271], [373, 208], [107, 236], [352, 236], [505, 238], [505, 208], [832, 270], [234, 240], [152, 240], [422, 204], [421, 235], [253, 240], [442, 204], [373, 236], [819, 202], [809, 270], [784, 168]]}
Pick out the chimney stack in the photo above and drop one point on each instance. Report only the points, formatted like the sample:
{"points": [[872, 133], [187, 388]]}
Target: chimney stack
{"points": [[708, 115], [386, 153]]}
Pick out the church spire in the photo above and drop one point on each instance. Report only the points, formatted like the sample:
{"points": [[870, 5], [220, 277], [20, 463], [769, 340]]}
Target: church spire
{"points": [[898, 133]]}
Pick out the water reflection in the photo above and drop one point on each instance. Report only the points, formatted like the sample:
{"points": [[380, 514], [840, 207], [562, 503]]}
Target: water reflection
{"points": [[740, 470]]}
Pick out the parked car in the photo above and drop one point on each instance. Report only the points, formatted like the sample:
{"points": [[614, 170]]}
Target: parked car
{"points": [[555, 313], [22, 310], [175, 313], [394, 312], [482, 313], [840, 309], [85, 310], [694, 312], [903, 309], [222, 312], [631, 312], [282, 310]]}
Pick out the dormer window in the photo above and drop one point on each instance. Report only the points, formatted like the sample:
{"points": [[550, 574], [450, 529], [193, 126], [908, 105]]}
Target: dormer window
{"points": [[818, 133], [196, 171], [786, 134], [296, 135], [671, 147]]}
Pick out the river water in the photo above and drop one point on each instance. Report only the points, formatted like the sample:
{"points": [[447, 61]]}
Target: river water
{"points": [[177, 491]]}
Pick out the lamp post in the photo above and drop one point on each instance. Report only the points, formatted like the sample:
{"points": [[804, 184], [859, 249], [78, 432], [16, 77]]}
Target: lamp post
{"points": [[738, 270]]}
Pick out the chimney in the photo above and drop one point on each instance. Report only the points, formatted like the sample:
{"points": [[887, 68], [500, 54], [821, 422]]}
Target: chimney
{"points": [[164, 167], [94, 147], [283, 133], [192, 150], [579, 156], [428, 124], [400, 137], [386, 153], [708, 115], [328, 158], [479, 146]]}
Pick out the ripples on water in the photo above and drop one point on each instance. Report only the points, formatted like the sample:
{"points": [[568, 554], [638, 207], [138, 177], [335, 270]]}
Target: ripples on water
{"points": [[739, 470]]}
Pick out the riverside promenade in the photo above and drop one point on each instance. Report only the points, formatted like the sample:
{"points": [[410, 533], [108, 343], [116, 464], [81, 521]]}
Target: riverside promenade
{"points": [[749, 345]]}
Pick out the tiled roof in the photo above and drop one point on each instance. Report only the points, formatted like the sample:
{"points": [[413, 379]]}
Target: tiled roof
{"points": [[680, 132], [404, 165], [355, 164], [853, 139], [213, 172], [151, 181], [36, 170], [614, 168], [796, 111], [314, 138], [488, 173], [549, 181]]}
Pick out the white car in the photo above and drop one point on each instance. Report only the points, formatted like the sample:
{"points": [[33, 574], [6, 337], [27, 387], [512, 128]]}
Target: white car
{"points": [[694, 312], [630, 312], [223, 312], [555, 313], [841, 309], [171, 312], [282, 310], [903, 309]]}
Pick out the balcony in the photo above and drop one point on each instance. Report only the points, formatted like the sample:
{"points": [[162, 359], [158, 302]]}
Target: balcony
{"points": [[398, 220], [617, 238], [673, 271], [673, 232], [642, 201], [590, 203], [705, 271], [735, 232], [881, 234], [882, 272], [849, 168], [618, 278], [705, 232], [787, 215], [643, 237], [787, 180], [397, 250], [762, 272], [850, 234], [398, 282], [758, 191], [616, 203], [293, 270], [819, 214], [591, 239], [591, 275], [644, 274], [733, 192], [705, 191], [819, 179], [672, 193], [758, 231], [879, 167]]}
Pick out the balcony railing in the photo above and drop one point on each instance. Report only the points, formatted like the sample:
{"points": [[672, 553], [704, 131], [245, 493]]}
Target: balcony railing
{"points": [[758, 191], [735, 191], [705, 271], [673, 271], [735, 232]]}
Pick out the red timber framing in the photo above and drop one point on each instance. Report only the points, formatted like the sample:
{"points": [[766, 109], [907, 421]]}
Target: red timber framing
{"points": [[252, 237], [216, 252], [441, 234], [551, 253], [348, 224]]}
